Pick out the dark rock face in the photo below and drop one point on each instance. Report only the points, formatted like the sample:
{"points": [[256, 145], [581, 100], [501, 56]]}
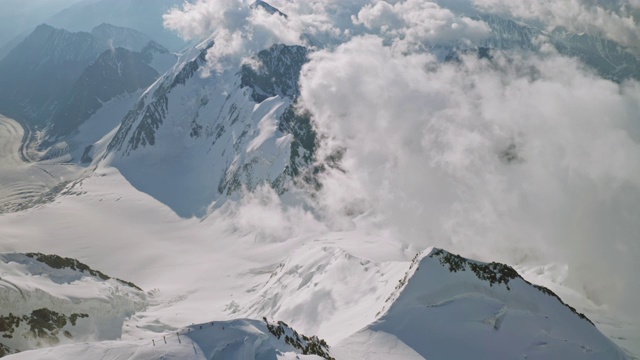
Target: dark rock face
{"points": [[278, 72], [37, 74], [153, 114], [114, 73], [493, 273], [56, 76], [58, 262], [307, 345], [44, 325], [268, 8]]}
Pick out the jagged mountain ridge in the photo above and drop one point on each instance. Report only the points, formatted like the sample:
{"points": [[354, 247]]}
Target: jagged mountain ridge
{"points": [[114, 73], [144, 16], [236, 129], [41, 68], [38, 76], [115, 36], [445, 300]]}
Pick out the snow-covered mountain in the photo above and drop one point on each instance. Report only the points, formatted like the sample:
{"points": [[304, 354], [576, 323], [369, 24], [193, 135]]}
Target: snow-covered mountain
{"points": [[236, 129], [44, 66], [424, 309], [50, 66], [202, 178], [142, 15], [49, 300], [445, 301], [114, 73]]}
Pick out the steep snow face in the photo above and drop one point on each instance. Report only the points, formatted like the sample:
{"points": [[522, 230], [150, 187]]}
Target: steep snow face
{"points": [[325, 291], [158, 57], [192, 140], [241, 339], [445, 301], [47, 300]]}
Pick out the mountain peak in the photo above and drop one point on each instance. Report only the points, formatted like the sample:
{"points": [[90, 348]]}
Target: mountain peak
{"points": [[476, 303], [268, 8], [114, 36]]}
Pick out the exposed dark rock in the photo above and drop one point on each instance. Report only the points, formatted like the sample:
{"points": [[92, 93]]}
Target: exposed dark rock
{"points": [[43, 324], [494, 273], [277, 72], [58, 262], [307, 345]]}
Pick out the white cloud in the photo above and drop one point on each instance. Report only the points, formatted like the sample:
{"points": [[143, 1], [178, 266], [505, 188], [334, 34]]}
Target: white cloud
{"points": [[522, 159], [525, 158], [236, 29], [414, 23], [613, 19]]}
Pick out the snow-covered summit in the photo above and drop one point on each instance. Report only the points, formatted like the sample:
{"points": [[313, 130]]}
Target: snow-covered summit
{"points": [[268, 8], [445, 301], [208, 137]]}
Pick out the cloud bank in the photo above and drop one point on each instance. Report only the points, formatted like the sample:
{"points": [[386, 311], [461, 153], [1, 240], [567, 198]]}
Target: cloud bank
{"points": [[522, 158], [613, 19]]}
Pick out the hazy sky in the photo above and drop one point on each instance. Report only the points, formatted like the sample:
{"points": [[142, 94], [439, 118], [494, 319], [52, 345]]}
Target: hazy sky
{"points": [[17, 16]]}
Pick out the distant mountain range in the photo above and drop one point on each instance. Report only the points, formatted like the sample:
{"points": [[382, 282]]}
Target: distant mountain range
{"points": [[59, 78]]}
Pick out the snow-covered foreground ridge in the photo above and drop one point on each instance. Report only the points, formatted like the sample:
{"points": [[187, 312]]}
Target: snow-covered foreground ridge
{"points": [[236, 339], [46, 300], [438, 303]]}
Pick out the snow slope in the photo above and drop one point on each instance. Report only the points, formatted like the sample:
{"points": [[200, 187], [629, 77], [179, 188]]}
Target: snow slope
{"points": [[325, 291], [48, 300], [446, 301], [226, 340], [207, 138]]}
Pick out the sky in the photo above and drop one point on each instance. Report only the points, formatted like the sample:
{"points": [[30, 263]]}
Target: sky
{"points": [[526, 158], [17, 16]]}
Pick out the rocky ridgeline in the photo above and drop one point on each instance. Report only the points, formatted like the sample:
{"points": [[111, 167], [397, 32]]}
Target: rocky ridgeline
{"points": [[307, 345]]}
